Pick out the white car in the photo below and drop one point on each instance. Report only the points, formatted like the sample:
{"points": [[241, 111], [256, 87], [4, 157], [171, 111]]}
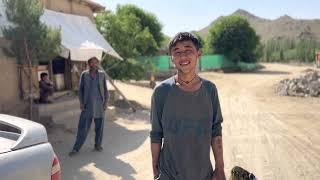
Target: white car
{"points": [[25, 152]]}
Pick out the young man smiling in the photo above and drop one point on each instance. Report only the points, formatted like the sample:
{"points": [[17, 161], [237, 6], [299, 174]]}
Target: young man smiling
{"points": [[186, 119]]}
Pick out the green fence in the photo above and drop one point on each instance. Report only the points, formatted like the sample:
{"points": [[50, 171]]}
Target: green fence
{"points": [[207, 62], [213, 62], [162, 63]]}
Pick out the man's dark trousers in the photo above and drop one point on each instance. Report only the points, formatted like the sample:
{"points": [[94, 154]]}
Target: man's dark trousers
{"points": [[84, 127]]}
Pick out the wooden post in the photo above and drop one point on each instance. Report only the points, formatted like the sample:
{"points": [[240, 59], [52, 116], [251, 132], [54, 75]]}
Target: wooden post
{"points": [[20, 82], [118, 90], [115, 87], [30, 80]]}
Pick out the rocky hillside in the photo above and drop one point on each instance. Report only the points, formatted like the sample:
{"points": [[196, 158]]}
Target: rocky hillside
{"points": [[282, 27]]}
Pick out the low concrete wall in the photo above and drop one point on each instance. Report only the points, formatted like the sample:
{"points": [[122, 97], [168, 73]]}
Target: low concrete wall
{"points": [[10, 102]]}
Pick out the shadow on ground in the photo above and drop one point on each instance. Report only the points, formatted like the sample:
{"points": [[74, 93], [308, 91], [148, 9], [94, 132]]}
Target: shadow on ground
{"points": [[266, 72], [117, 140]]}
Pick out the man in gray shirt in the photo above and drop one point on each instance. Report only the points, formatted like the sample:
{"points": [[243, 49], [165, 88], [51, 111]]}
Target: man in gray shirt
{"points": [[93, 97], [186, 119]]}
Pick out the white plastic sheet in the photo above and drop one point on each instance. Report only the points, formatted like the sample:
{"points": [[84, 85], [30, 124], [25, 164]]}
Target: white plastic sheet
{"points": [[78, 35]]}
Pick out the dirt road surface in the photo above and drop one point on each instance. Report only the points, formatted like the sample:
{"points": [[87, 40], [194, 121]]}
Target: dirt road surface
{"points": [[276, 138]]}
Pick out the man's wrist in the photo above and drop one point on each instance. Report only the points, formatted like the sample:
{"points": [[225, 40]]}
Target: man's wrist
{"points": [[219, 166], [219, 169], [154, 164]]}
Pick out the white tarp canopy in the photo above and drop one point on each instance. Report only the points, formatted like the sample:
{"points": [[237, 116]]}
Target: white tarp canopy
{"points": [[3, 17], [79, 36]]}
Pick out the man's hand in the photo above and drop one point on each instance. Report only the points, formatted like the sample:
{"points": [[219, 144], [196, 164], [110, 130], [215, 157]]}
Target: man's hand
{"points": [[155, 152], [217, 149], [49, 82], [82, 107], [219, 174], [104, 107]]}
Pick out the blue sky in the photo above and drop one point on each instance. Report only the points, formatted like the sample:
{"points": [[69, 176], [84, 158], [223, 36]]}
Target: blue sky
{"points": [[187, 15]]}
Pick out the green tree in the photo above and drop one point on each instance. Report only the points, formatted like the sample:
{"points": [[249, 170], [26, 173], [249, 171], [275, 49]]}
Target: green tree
{"points": [[305, 50], [281, 55], [29, 37], [233, 37], [31, 41], [259, 51], [201, 42], [289, 49], [132, 32], [165, 42], [124, 70]]}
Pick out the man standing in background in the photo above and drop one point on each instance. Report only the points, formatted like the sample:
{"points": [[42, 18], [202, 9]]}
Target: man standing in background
{"points": [[93, 97]]}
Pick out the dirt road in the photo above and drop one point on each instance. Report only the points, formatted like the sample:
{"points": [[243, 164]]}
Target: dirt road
{"points": [[277, 138]]}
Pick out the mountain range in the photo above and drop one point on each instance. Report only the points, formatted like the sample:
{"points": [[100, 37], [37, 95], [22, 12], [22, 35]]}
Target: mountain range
{"points": [[282, 27]]}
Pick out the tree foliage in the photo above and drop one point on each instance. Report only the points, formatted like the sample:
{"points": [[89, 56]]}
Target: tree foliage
{"points": [[201, 41], [233, 37], [290, 49], [132, 32], [28, 36], [124, 70]]}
